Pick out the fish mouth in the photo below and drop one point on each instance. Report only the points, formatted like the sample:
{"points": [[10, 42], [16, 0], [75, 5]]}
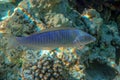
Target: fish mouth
{"points": [[92, 39]]}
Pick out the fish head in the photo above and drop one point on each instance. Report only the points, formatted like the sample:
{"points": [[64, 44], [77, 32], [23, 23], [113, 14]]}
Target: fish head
{"points": [[84, 39]]}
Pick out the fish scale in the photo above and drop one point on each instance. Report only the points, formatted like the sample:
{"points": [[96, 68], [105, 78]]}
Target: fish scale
{"points": [[56, 37]]}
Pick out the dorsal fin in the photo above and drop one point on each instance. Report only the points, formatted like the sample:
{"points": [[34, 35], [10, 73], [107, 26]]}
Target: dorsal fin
{"points": [[55, 29], [52, 29]]}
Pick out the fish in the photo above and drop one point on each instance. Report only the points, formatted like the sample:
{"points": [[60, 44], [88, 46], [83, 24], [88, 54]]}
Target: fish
{"points": [[52, 38]]}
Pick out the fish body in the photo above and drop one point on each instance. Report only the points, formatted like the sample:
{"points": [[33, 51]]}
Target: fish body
{"points": [[59, 37]]}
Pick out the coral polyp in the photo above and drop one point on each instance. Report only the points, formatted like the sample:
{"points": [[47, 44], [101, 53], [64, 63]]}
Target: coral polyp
{"points": [[46, 68]]}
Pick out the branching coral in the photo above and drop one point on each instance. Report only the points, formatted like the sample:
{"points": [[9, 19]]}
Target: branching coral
{"points": [[46, 68]]}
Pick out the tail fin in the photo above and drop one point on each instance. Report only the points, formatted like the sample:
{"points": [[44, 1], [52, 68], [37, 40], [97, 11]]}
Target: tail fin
{"points": [[12, 42]]}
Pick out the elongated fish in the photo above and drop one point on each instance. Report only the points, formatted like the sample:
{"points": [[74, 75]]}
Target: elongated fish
{"points": [[53, 38]]}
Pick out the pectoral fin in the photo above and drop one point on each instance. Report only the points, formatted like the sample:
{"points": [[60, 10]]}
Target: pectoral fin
{"points": [[80, 47]]}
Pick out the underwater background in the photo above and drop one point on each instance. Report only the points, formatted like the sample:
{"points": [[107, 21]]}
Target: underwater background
{"points": [[99, 60]]}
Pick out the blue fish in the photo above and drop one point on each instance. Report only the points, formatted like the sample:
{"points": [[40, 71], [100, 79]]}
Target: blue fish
{"points": [[53, 38]]}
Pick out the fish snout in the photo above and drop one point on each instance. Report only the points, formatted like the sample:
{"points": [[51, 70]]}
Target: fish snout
{"points": [[88, 39], [85, 39]]}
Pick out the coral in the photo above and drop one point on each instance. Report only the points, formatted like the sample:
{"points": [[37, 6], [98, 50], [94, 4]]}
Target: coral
{"points": [[26, 20], [46, 68], [52, 13], [9, 62], [8, 70], [2, 27], [71, 60], [7, 8], [103, 47], [92, 20], [31, 16], [106, 48], [67, 56], [20, 23]]}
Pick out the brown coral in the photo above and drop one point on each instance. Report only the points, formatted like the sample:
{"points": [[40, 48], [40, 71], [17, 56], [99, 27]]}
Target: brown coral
{"points": [[46, 68]]}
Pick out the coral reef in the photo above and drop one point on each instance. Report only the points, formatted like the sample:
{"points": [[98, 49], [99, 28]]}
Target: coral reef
{"points": [[8, 70], [31, 16], [101, 32], [19, 24], [71, 61], [46, 68], [7, 8]]}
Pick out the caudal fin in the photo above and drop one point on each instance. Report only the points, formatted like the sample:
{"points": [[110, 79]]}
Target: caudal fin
{"points": [[12, 42]]}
